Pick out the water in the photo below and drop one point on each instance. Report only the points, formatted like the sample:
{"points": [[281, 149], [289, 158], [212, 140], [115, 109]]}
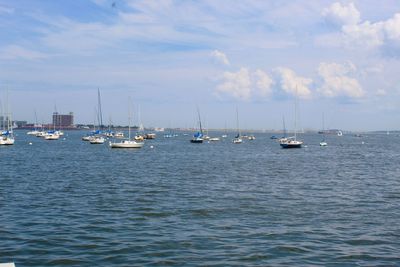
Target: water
{"points": [[69, 203]]}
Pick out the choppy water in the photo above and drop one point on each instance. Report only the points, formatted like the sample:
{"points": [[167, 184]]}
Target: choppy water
{"points": [[69, 203]]}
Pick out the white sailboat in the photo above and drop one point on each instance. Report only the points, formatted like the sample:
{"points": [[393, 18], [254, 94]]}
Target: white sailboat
{"points": [[292, 142], [323, 142], [7, 135], [97, 138], [198, 137], [238, 139], [127, 143]]}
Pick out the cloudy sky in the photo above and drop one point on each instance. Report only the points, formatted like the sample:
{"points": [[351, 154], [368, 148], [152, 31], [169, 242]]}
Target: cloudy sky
{"points": [[341, 59]]}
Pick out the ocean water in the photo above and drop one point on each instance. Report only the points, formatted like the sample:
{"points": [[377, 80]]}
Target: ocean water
{"points": [[70, 203]]}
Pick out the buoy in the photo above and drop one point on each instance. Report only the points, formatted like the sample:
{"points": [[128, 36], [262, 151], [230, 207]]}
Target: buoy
{"points": [[151, 146], [30, 143]]}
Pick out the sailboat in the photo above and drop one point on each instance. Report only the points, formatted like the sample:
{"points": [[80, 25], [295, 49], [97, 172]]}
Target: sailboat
{"points": [[198, 137], [98, 137], [7, 135], [237, 139], [292, 142], [35, 131], [323, 142], [127, 143]]}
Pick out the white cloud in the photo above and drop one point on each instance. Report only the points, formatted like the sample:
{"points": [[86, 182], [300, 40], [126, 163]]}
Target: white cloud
{"points": [[362, 34], [237, 84], [342, 14], [220, 57], [18, 52], [245, 84], [368, 35], [293, 84], [391, 27], [263, 82], [336, 80]]}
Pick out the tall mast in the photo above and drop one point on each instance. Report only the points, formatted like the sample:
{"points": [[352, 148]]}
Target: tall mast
{"points": [[129, 119], [198, 113], [237, 121], [295, 116], [100, 112], [284, 126]]}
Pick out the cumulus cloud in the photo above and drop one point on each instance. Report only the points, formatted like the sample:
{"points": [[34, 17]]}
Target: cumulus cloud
{"points": [[336, 80], [237, 84], [364, 34], [245, 84], [342, 14], [263, 82], [292, 84], [220, 57]]}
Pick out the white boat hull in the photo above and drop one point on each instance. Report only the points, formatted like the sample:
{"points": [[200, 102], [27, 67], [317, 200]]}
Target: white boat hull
{"points": [[127, 144], [7, 141], [51, 137]]}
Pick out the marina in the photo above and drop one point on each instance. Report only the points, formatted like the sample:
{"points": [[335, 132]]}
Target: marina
{"points": [[90, 205]]}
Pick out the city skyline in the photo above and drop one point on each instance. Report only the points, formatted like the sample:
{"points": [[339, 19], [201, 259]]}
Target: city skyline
{"points": [[338, 57]]}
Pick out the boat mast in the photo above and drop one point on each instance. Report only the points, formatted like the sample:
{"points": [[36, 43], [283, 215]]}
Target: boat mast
{"points": [[198, 113], [100, 112], [237, 121], [284, 126], [129, 119], [295, 116]]}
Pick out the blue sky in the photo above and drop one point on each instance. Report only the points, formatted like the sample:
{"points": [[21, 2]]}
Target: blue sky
{"points": [[340, 58]]}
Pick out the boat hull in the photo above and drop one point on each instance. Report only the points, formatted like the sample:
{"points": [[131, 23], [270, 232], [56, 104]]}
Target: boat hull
{"points": [[128, 144], [196, 141], [290, 145]]}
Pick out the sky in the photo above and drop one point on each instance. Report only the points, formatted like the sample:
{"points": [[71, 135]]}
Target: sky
{"points": [[338, 60]]}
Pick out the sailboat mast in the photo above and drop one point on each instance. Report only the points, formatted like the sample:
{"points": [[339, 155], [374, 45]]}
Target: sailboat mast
{"points": [[284, 126], [237, 121], [198, 113], [100, 112], [295, 116], [129, 119]]}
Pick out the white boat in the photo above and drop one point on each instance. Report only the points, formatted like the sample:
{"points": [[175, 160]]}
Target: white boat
{"points": [[323, 142], [97, 139], [7, 139], [41, 134], [119, 135], [51, 135], [7, 135], [251, 137], [339, 133], [198, 137], [86, 138], [213, 139], [292, 142], [34, 132], [139, 137], [127, 143], [237, 139]]}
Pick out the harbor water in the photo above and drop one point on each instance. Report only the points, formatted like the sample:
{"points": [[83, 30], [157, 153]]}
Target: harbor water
{"points": [[173, 203]]}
